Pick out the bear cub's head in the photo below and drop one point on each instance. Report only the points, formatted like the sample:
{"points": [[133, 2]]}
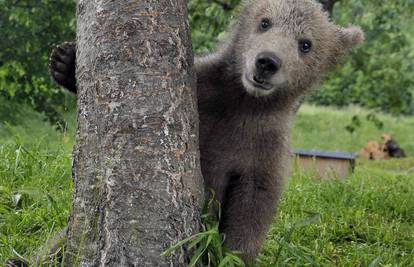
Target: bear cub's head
{"points": [[285, 46]]}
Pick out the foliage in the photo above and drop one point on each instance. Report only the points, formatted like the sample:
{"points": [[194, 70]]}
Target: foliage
{"points": [[372, 220], [380, 73], [356, 122], [30, 28], [209, 21]]}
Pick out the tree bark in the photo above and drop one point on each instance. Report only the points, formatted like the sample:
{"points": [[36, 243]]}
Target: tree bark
{"points": [[138, 185]]}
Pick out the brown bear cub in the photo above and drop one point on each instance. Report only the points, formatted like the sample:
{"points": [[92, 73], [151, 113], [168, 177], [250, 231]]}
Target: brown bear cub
{"points": [[248, 91]]}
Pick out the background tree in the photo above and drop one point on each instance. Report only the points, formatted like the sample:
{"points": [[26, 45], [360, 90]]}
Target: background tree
{"points": [[138, 186], [379, 75], [29, 30]]}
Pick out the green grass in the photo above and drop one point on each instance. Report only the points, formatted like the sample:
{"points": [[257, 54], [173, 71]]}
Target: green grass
{"points": [[207, 245], [35, 179], [324, 128], [368, 217], [34, 197], [366, 220]]}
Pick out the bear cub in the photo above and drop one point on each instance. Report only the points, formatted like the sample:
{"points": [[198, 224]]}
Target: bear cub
{"points": [[248, 91]]}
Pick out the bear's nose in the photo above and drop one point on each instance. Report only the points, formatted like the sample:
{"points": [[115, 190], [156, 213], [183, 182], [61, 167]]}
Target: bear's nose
{"points": [[267, 64]]}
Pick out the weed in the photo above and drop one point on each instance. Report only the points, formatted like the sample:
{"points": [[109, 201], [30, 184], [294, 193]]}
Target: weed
{"points": [[208, 244]]}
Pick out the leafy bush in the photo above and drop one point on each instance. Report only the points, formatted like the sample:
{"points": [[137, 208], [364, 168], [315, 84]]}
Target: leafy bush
{"points": [[209, 21], [30, 28], [380, 73]]}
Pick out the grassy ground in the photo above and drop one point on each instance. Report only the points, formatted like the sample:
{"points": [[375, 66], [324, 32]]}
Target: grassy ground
{"points": [[366, 220], [324, 128]]}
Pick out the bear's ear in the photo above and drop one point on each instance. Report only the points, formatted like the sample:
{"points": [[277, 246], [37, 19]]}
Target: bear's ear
{"points": [[350, 37]]}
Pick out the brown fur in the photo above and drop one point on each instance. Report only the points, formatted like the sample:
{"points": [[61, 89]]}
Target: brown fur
{"points": [[244, 139], [244, 131], [374, 151], [389, 148]]}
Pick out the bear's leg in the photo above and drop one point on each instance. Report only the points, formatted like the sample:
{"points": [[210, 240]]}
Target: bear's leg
{"points": [[248, 210], [62, 65], [215, 185]]}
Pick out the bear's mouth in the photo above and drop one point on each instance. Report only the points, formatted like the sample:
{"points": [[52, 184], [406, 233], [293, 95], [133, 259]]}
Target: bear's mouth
{"points": [[259, 82]]}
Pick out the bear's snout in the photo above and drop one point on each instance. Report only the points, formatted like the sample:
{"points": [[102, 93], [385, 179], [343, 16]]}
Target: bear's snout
{"points": [[267, 64]]}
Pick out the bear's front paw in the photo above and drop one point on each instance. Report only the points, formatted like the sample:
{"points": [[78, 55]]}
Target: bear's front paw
{"points": [[62, 65]]}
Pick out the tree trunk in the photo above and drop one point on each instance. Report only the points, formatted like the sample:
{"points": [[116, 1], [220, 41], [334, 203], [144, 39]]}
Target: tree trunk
{"points": [[138, 185]]}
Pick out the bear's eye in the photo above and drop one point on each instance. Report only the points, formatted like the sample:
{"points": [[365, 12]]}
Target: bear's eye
{"points": [[305, 46], [265, 24]]}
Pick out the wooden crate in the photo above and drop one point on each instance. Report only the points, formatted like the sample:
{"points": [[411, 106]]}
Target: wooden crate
{"points": [[325, 164]]}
